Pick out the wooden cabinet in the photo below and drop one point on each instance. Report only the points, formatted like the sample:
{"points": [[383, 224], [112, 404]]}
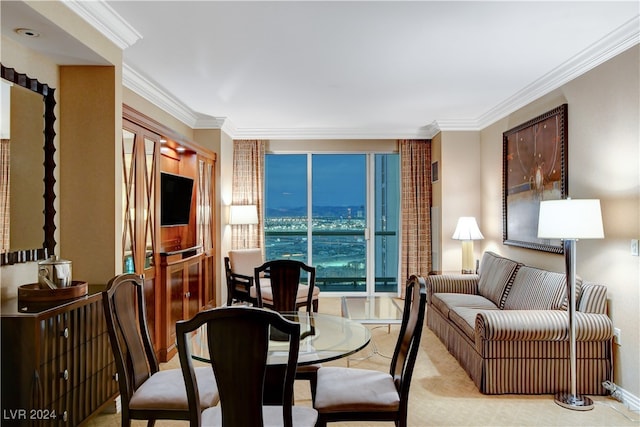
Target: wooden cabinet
{"points": [[181, 298], [178, 282], [57, 364]]}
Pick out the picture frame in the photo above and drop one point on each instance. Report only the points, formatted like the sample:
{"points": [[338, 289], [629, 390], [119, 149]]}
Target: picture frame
{"points": [[434, 171], [534, 168]]}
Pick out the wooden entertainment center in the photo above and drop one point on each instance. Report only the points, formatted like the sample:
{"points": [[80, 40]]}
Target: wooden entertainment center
{"points": [[177, 259]]}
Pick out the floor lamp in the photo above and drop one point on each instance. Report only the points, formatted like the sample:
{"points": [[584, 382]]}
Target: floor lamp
{"points": [[571, 220]]}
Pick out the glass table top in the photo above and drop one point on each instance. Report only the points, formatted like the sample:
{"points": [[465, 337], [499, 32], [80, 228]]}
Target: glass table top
{"points": [[324, 337]]}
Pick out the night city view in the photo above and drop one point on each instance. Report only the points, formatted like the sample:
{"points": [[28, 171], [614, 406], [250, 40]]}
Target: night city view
{"points": [[338, 245]]}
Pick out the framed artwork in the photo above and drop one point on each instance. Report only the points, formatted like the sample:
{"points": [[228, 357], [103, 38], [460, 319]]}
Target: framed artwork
{"points": [[434, 171], [534, 168]]}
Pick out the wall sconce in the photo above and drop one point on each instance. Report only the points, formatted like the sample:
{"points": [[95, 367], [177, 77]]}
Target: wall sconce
{"points": [[243, 214], [467, 230], [571, 220]]}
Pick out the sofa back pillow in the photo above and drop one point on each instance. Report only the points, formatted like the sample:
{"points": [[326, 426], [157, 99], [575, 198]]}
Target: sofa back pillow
{"points": [[593, 298], [496, 274], [536, 289]]}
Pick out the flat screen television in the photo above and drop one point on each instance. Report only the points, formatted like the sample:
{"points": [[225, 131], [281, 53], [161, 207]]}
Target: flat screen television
{"points": [[175, 199]]}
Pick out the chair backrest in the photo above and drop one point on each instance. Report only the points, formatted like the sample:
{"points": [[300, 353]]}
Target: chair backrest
{"points": [[124, 309], [238, 341], [243, 261], [406, 350], [285, 275]]}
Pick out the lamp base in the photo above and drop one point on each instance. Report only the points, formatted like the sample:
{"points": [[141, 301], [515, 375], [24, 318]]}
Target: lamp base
{"points": [[575, 402]]}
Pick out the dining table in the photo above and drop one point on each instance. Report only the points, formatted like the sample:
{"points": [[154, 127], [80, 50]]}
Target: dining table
{"points": [[323, 338]]}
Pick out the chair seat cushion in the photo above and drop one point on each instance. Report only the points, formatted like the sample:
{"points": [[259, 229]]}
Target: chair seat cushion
{"points": [[303, 291], [303, 416], [351, 390], [166, 390]]}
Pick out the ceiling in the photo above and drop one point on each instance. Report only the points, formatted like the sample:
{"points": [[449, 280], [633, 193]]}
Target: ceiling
{"points": [[333, 69]]}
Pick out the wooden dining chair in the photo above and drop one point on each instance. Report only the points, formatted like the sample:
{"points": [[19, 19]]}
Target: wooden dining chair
{"points": [[146, 392], [288, 294], [350, 394], [238, 342], [241, 283]]}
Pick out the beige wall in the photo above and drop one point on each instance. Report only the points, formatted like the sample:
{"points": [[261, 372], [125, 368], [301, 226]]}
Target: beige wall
{"points": [[90, 210], [460, 175], [604, 163]]}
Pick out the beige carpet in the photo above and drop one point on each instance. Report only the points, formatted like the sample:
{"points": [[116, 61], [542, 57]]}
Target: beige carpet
{"points": [[443, 395]]}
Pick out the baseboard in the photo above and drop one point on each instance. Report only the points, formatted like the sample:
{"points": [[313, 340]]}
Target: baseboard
{"points": [[630, 401]]}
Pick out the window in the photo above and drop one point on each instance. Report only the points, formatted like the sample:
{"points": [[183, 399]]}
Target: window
{"points": [[321, 209]]}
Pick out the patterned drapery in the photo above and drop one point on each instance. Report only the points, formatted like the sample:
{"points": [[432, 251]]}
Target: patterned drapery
{"points": [[415, 158], [247, 188], [4, 195]]}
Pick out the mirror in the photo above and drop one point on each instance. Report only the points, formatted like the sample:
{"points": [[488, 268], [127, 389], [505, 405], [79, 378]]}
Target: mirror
{"points": [[32, 128]]}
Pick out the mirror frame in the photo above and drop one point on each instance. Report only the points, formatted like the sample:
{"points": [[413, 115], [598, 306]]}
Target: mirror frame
{"points": [[49, 244]]}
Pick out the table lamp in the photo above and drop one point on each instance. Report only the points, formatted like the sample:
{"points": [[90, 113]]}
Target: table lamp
{"points": [[571, 220], [467, 230]]}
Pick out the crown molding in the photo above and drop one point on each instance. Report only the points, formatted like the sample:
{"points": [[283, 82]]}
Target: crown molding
{"points": [[156, 95], [426, 132], [616, 42], [103, 18]]}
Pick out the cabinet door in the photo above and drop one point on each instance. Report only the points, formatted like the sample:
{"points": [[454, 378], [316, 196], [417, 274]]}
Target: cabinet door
{"points": [[205, 230], [140, 154], [193, 282], [175, 275]]}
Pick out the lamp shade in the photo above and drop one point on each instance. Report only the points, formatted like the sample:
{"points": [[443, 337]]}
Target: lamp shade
{"points": [[570, 219], [243, 214], [467, 229]]}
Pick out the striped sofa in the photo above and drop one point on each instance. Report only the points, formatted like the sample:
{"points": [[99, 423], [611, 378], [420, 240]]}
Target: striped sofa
{"points": [[508, 328]]}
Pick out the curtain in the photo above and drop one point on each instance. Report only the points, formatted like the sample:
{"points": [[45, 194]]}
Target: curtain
{"points": [[415, 165], [4, 195], [246, 189], [204, 214]]}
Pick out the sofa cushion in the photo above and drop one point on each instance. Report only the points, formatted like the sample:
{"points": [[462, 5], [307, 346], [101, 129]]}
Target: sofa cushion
{"points": [[536, 289], [496, 274], [465, 318], [445, 301]]}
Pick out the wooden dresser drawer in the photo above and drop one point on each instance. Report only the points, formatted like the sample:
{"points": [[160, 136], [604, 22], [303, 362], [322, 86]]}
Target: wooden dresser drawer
{"points": [[61, 363]]}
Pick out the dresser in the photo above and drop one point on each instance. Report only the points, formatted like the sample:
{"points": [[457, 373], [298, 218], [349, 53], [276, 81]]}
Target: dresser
{"points": [[57, 363]]}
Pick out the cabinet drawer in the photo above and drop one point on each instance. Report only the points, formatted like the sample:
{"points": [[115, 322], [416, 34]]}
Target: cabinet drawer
{"points": [[80, 402], [55, 336], [57, 377], [86, 323]]}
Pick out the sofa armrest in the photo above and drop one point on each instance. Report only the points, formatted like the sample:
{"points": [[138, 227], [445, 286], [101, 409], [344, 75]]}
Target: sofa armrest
{"points": [[452, 283], [540, 325]]}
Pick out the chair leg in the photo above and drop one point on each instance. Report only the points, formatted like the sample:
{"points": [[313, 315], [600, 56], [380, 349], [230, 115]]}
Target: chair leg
{"points": [[314, 304]]}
